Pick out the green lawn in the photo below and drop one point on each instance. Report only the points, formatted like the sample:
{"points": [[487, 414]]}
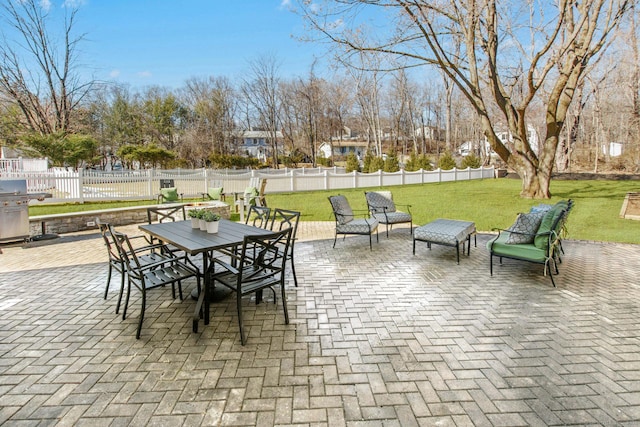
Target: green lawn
{"points": [[490, 203]]}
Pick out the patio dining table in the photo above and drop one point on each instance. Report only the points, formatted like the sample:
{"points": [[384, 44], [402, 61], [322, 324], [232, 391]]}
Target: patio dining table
{"points": [[194, 241]]}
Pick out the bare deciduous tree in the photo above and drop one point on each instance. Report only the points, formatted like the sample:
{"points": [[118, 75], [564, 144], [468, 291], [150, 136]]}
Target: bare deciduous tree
{"points": [[37, 66], [514, 54], [261, 90]]}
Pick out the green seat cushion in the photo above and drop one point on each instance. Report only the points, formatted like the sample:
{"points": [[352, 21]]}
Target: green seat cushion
{"points": [[525, 251], [170, 194], [215, 193]]}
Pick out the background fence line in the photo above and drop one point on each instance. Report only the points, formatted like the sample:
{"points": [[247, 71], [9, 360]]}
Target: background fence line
{"points": [[91, 185]]}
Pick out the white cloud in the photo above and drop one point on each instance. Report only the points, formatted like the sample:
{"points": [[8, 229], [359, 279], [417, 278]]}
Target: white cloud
{"points": [[114, 74], [145, 74], [45, 4], [73, 3], [285, 3]]}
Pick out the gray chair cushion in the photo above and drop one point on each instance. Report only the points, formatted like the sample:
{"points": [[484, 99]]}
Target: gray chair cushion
{"points": [[344, 213], [392, 217], [357, 226], [380, 201]]}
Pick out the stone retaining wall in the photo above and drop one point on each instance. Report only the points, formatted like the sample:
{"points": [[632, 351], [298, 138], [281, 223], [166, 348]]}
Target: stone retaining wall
{"points": [[79, 221]]}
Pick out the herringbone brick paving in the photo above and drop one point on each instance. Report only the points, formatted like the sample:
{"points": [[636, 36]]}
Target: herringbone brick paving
{"points": [[377, 338]]}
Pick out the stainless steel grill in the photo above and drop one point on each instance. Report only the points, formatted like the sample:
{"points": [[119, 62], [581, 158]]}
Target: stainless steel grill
{"points": [[14, 209]]}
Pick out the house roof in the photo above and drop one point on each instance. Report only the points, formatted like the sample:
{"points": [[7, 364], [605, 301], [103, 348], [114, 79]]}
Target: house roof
{"points": [[259, 134]]}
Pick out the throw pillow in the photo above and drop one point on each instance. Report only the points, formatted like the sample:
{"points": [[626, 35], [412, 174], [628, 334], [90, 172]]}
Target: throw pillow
{"points": [[169, 194], [215, 193], [526, 223], [250, 194]]}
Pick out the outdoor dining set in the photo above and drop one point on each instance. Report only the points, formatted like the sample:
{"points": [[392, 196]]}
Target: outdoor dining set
{"points": [[246, 258]]}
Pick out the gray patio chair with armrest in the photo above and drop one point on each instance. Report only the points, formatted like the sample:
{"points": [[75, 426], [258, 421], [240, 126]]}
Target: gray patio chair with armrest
{"points": [[147, 254], [281, 219], [346, 223], [149, 276], [383, 208], [259, 265]]}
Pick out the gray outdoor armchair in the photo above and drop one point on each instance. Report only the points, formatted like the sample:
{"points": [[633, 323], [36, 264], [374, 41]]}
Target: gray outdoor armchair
{"points": [[346, 223], [383, 208]]}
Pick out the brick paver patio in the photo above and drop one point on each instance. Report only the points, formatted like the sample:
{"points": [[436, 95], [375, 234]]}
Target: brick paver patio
{"points": [[377, 338]]}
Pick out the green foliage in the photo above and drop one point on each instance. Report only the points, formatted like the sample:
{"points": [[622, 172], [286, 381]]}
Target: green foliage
{"points": [[80, 148], [195, 213], [228, 161], [210, 216], [416, 163], [470, 161], [352, 163], [160, 111], [377, 163], [63, 150], [391, 163], [148, 155], [446, 161], [323, 161], [366, 164], [291, 161]]}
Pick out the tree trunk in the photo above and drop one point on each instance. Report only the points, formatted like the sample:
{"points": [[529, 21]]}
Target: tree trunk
{"points": [[535, 183]]}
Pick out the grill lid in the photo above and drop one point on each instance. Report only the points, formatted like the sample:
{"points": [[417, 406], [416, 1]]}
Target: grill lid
{"points": [[13, 187], [17, 188]]}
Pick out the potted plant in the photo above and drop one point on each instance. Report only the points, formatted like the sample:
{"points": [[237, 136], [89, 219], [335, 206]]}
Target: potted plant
{"points": [[212, 220], [195, 214]]}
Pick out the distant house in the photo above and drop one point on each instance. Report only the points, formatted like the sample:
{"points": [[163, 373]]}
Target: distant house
{"points": [[343, 148], [258, 144], [474, 147], [13, 161], [614, 149], [430, 132], [505, 136]]}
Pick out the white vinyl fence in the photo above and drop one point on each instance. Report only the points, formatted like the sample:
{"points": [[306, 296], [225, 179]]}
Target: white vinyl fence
{"points": [[90, 185]]}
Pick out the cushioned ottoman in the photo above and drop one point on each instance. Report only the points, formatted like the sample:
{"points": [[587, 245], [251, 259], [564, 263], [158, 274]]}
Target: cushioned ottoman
{"points": [[448, 232]]}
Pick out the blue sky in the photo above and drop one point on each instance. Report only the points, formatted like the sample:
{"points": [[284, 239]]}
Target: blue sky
{"points": [[163, 42]]}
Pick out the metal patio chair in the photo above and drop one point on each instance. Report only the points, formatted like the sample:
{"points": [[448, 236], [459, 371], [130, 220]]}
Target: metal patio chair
{"points": [[259, 265], [281, 219], [383, 208], [147, 254], [346, 223], [149, 276], [258, 216]]}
